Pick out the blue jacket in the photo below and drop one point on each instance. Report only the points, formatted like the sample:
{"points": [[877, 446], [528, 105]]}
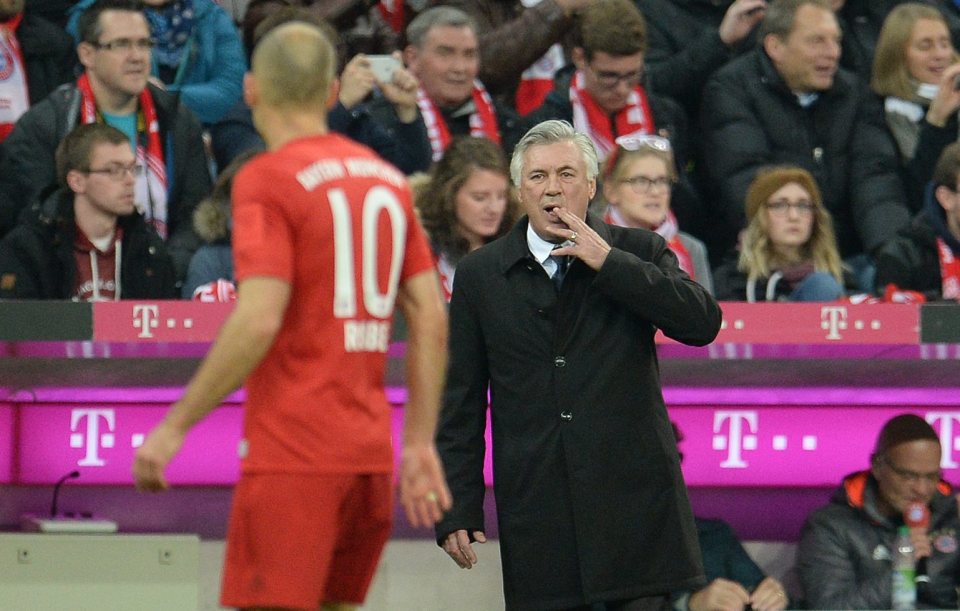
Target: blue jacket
{"points": [[212, 80]]}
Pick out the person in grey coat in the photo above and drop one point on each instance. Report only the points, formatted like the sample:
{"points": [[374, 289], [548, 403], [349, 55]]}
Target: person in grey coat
{"points": [[557, 319]]}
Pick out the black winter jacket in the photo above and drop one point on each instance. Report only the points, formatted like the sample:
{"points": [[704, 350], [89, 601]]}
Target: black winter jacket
{"points": [[37, 260], [911, 260], [751, 119], [48, 53]]}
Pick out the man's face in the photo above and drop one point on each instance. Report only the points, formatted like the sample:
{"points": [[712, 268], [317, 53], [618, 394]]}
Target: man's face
{"points": [[907, 472], [554, 176], [112, 195], [121, 71], [609, 79], [809, 56], [446, 64], [10, 8]]}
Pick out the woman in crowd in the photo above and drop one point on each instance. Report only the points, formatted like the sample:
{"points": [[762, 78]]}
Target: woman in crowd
{"points": [[465, 202], [915, 71], [788, 251], [638, 181]]}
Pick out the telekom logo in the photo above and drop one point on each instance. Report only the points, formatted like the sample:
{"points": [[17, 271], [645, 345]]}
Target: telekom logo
{"points": [[85, 433], [741, 435], [948, 443], [833, 319], [146, 318]]}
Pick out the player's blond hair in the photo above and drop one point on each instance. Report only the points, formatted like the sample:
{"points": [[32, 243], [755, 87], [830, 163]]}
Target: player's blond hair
{"points": [[294, 66]]}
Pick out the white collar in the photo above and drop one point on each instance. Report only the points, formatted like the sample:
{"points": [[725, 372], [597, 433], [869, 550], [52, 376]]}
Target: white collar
{"points": [[539, 248]]}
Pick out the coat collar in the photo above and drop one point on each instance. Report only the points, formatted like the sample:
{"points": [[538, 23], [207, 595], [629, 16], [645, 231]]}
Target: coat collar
{"points": [[771, 78], [515, 248]]}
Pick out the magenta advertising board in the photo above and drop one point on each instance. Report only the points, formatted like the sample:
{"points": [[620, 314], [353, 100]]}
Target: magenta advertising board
{"points": [[725, 445], [6, 443]]}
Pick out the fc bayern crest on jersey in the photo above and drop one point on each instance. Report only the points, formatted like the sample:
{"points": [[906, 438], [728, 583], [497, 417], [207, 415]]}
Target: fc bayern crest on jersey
{"points": [[6, 62], [945, 543]]}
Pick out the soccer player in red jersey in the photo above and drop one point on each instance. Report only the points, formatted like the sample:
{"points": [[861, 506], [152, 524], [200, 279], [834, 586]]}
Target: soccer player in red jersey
{"points": [[325, 244]]}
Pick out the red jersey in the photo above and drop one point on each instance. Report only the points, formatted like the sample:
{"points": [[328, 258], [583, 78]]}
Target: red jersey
{"points": [[335, 221]]}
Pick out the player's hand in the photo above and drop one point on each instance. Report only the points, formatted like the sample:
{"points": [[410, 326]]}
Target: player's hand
{"points": [[151, 459], [458, 546], [770, 595], [423, 489], [587, 246]]}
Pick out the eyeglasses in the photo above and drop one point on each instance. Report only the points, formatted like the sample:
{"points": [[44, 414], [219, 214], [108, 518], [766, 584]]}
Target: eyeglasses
{"points": [[609, 80], [635, 142], [781, 207], [125, 44], [912, 476], [118, 171], [645, 184]]}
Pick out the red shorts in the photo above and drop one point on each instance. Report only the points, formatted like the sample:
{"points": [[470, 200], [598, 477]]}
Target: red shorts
{"points": [[297, 541]]}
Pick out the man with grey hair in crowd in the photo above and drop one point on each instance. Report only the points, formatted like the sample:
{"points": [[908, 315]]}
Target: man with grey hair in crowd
{"points": [[557, 319], [443, 53]]}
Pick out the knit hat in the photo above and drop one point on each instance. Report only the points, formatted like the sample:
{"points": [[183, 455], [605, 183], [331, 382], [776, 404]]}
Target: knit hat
{"points": [[902, 429], [770, 179]]}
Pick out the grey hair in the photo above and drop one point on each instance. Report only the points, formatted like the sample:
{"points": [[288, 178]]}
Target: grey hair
{"points": [[551, 132], [438, 16]]}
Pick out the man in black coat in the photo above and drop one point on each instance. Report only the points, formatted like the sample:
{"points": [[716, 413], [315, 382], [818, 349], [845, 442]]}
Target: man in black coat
{"points": [[85, 241], [591, 502], [788, 102]]}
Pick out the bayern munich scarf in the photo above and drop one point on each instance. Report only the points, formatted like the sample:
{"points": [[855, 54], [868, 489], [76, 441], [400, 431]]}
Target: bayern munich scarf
{"points": [[483, 121], [151, 188], [590, 119], [14, 97], [949, 271], [669, 230]]}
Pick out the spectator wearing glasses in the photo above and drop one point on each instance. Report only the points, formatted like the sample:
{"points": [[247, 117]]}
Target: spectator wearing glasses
{"points": [[113, 89], [603, 94], [638, 180], [788, 251], [85, 240], [789, 102], [845, 550], [197, 53]]}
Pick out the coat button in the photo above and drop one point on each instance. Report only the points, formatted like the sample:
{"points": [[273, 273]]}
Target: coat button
{"points": [[559, 361], [566, 416]]}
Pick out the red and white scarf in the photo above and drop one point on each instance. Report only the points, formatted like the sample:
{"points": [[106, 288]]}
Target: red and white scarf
{"points": [[393, 13], [669, 230], [949, 271], [483, 121], [589, 118], [537, 80], [14, 95], [151, 188]]}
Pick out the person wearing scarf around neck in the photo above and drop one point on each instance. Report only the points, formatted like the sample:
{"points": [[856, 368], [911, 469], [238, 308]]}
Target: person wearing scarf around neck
{"points": [[788, 251], [198, 53], [916, 70], [925, 257], [637, 183]]}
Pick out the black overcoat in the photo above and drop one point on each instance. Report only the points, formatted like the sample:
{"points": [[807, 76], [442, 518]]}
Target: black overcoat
{"points": [[591, 502]]}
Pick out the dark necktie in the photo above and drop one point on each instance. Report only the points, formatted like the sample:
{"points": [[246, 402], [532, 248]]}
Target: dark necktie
{"points": [[562, 263]]}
